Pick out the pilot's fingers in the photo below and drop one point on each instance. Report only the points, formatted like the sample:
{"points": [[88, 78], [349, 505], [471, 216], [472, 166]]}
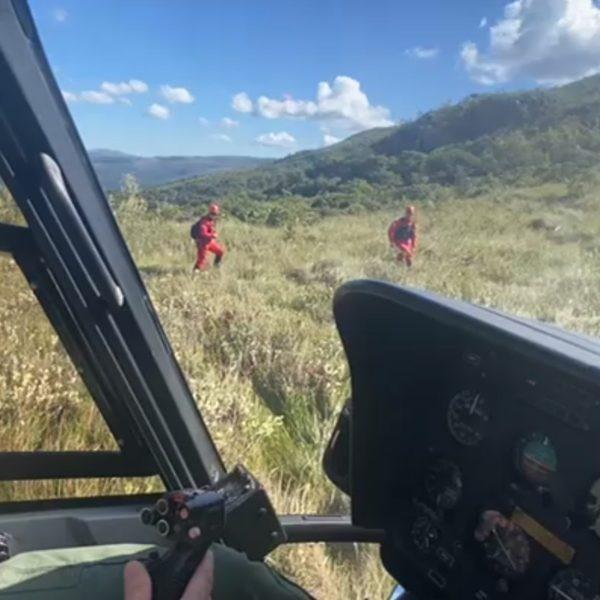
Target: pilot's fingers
{"points": [[138, 585], [201, 583]]}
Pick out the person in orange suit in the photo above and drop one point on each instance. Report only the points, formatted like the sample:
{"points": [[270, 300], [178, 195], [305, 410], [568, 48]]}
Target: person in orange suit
{"points": [[206, 238], [402, 234]]}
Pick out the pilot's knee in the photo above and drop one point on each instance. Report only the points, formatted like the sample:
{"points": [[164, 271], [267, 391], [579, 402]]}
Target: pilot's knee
{"points": [[238, 577]]}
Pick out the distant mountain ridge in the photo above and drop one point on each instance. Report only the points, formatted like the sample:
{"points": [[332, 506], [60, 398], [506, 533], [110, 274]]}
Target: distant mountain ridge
{"points": [[537, 135], [112, 165]]}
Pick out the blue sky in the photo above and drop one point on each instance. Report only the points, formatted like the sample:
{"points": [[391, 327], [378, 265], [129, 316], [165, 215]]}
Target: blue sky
{"points": [[304, 72]]}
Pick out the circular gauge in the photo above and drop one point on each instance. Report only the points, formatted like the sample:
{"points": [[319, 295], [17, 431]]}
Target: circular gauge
{"points": [[423, 534], [443, 484], [468, 417], [592, 507], [536, 458], [505, 544], [571, 585]]}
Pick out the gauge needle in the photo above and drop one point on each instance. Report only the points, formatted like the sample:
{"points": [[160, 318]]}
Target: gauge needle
{"points": [[474, 405], [556, 589], [503, 548]]}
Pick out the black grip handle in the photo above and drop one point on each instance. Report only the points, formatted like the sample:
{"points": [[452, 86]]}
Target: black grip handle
{"points": [[171, 574]]}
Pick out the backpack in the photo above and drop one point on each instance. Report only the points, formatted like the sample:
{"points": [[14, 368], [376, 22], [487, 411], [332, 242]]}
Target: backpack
{"points": [[195, 230], [404, 232]]}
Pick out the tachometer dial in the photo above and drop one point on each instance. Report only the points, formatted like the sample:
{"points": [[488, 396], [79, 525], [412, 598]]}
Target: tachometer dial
{"points": [[505, 544], [443, 484], [536, 458], [424, 534], [468, 417], [570, 584]]}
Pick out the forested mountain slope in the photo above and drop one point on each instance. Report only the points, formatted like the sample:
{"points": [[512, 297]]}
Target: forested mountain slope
{"points": [[533, 136]]}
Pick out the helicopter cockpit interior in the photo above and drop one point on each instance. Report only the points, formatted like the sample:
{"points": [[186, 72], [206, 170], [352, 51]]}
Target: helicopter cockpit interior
{"points": [[470, 447], [474, 446]]}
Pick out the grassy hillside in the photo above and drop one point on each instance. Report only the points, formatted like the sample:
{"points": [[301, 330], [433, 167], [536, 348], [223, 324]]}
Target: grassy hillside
{"points": [[258, 344], [524, 138], [112, 166]]}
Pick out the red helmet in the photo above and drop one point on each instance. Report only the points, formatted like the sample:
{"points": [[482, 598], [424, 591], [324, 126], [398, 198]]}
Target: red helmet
{"points": [[214, 209]]}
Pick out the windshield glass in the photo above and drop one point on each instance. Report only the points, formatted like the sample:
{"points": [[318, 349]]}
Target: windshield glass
{"points": [[258, 155], [44, 404]]}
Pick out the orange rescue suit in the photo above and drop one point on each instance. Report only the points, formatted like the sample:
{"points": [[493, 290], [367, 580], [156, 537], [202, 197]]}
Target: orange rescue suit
{"points": [[207, 242], [403, 235]]}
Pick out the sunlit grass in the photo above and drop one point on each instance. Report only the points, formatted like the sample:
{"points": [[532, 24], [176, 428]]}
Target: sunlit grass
{"points": [[257, 341]]}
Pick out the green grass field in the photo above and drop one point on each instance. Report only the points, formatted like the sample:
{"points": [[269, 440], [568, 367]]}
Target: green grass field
{"points": [[257, 341]]}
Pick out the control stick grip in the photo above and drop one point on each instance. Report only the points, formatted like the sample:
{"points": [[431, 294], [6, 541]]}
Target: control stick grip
{"points": [[191, 520], [172, 572]]}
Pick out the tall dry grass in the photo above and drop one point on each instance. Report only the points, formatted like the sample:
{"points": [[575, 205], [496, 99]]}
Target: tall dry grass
{"points": [[258, 344]]}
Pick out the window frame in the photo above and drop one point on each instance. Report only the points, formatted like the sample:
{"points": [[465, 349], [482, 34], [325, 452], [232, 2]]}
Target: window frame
{"points": [[132, 458], [74, 256]]}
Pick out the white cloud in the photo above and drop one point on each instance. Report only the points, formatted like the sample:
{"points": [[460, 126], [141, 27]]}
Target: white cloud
{"points": [[95, 97], [229, 123], [108, 93], [60, 15], [124, 87], [176, 95], [242, 103], [342, 104], [422, 53], [281, 139], [69, 96], [221, 137], [329, 139], [139, 87], [550, 41], [158, 111], [288, 107], [203, 121], [483, 23]]}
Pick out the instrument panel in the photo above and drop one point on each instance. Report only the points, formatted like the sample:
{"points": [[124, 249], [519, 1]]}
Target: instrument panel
{"points": [[500, 499], [478, 456]]}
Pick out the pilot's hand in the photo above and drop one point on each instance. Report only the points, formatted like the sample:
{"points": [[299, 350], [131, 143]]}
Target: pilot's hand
{"points": [[138, 585]]}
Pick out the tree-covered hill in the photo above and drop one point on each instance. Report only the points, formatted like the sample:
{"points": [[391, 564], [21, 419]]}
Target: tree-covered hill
{"points": [[534, 136]]}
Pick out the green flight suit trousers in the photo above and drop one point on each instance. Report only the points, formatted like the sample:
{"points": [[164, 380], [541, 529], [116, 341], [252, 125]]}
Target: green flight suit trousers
{"points": [[96, 572]]}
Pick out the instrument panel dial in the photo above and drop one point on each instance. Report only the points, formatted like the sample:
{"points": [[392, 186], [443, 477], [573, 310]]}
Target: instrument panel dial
{"points": [[506, 546], [443, 484], [570, 584], [424, 534], [468, 417], [536, 459]]}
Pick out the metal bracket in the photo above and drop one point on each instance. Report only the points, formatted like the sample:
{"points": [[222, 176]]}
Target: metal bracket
{"points": [[252, 526]]}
